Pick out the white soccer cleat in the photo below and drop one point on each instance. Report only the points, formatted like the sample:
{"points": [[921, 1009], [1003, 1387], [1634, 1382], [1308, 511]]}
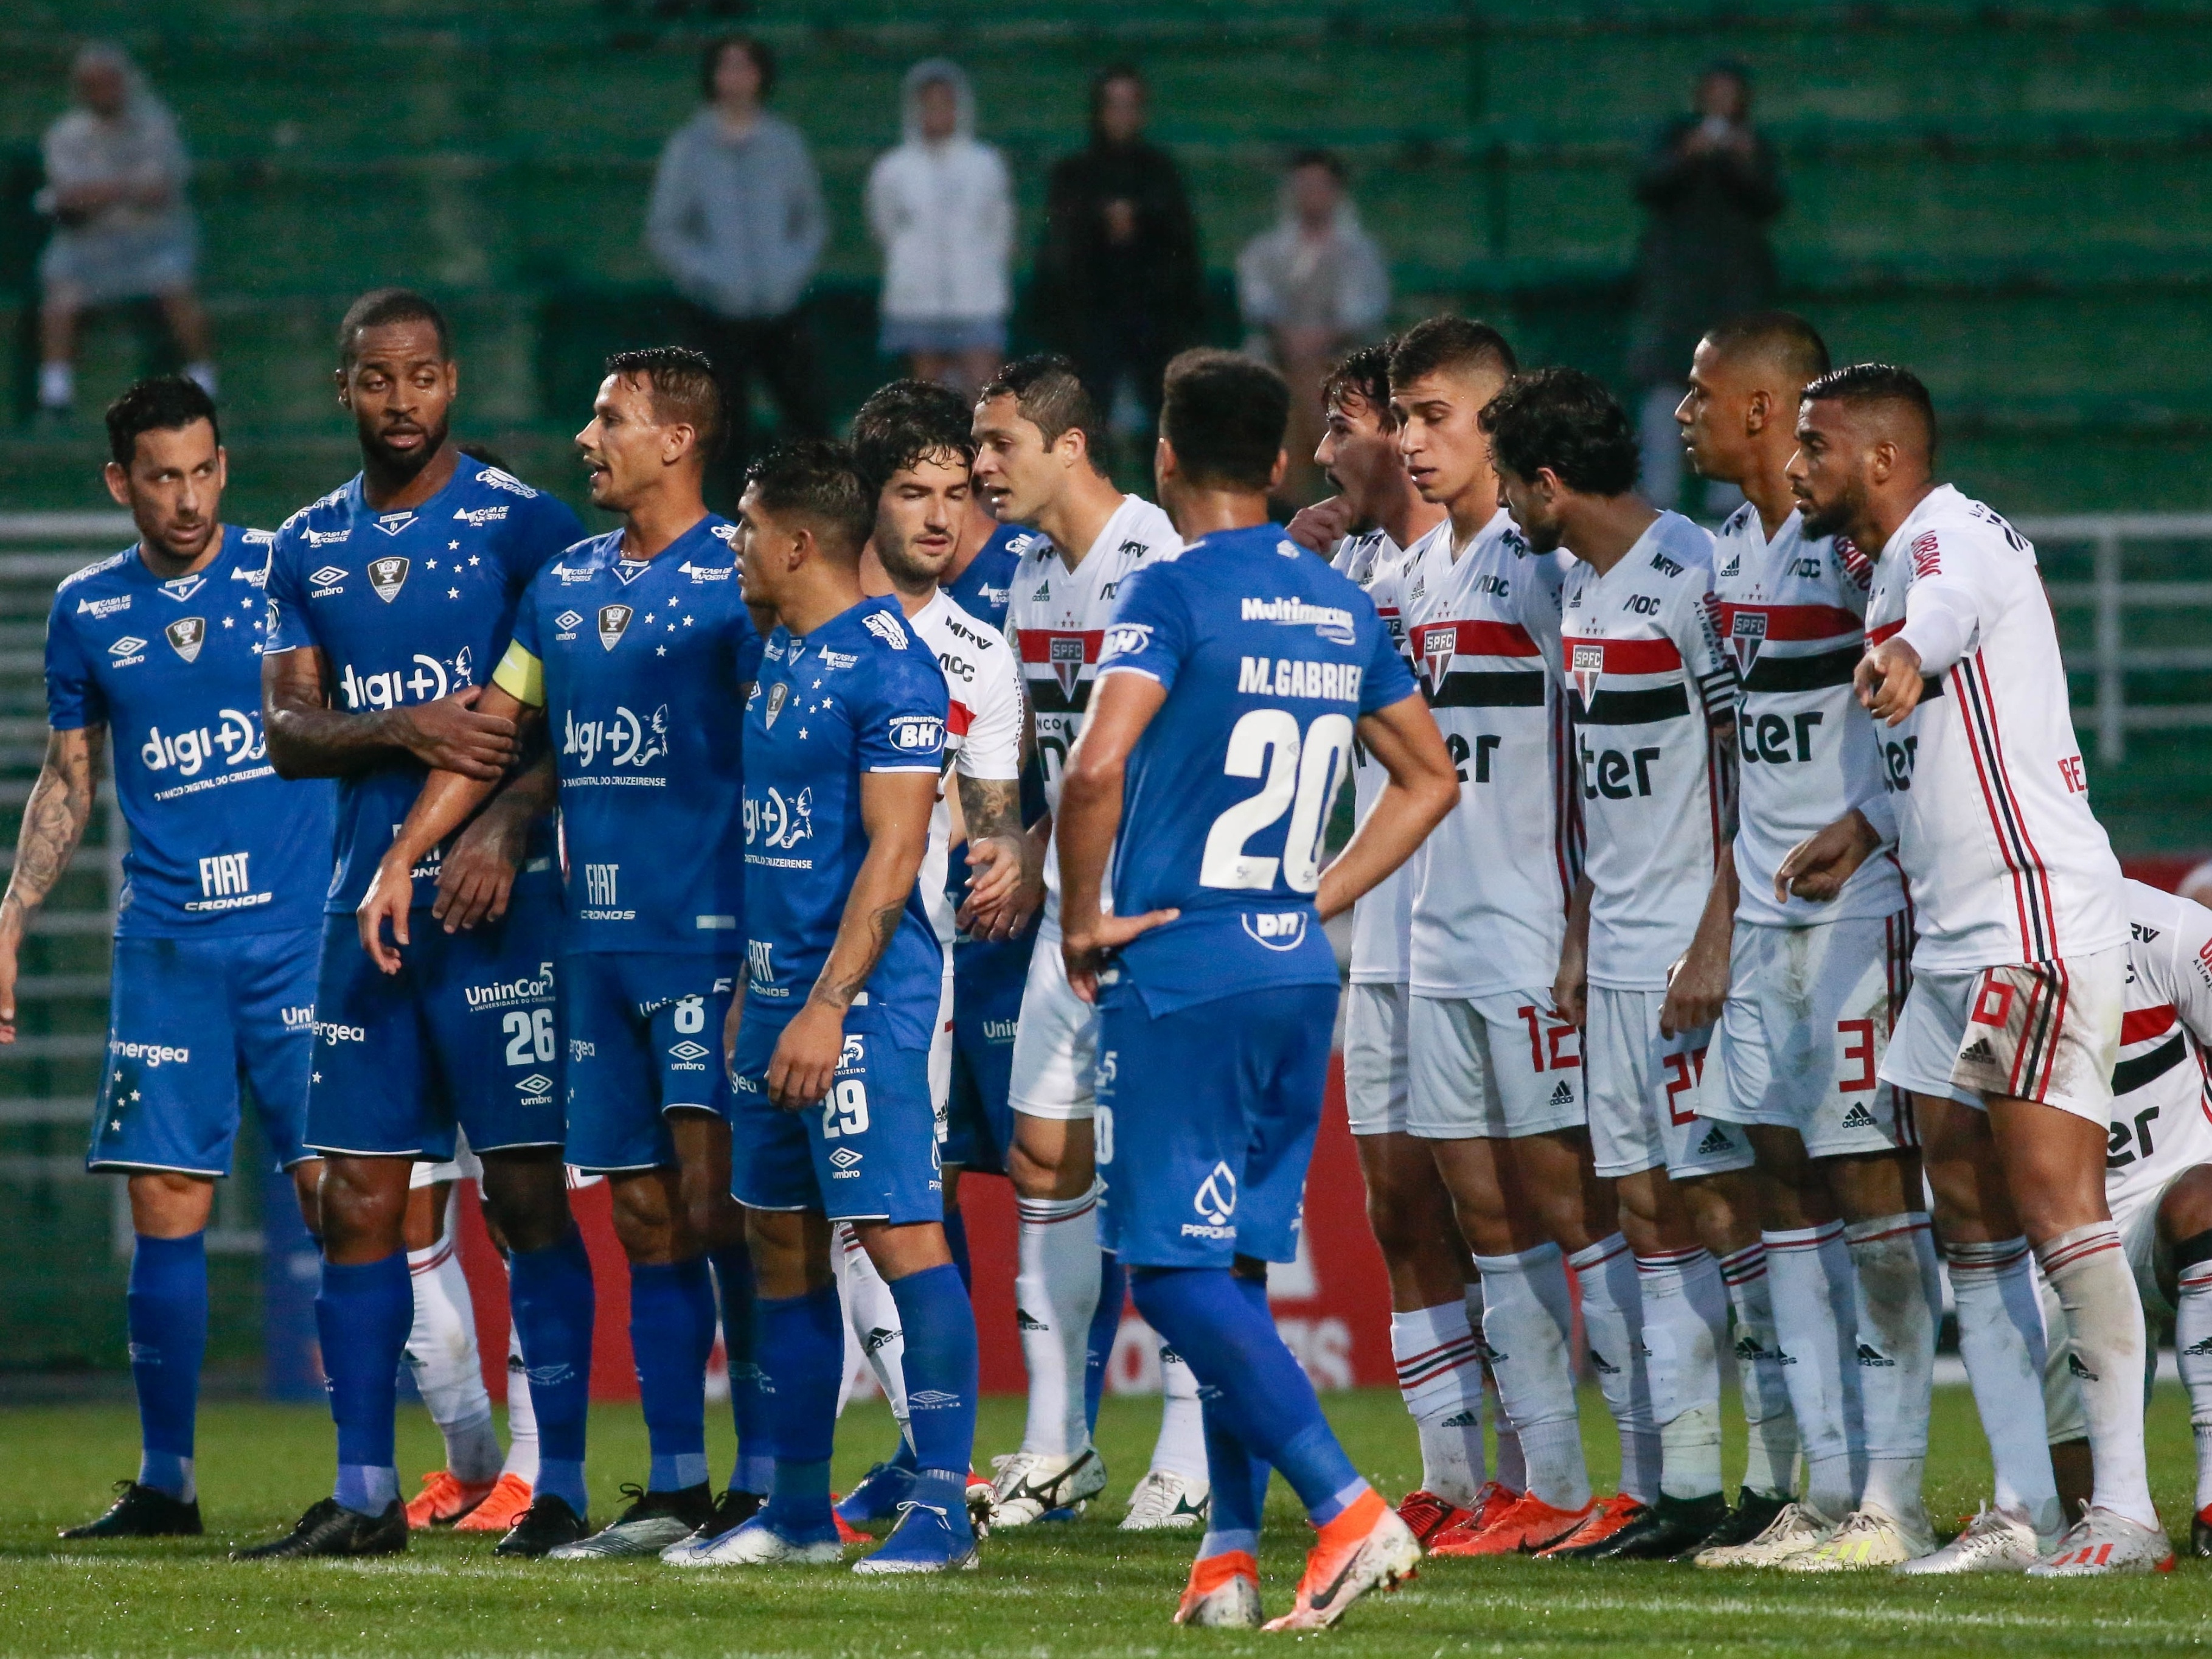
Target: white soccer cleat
{"points": [[1031, 1485], [755, 1544], [1797, 1531], [1995, 1540], [1868, 1538], [1167, 1502], [2102, 1542]]}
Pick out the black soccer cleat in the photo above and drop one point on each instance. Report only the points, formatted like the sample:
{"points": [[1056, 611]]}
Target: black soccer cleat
{"points": [[143, 1512], [1666, 1529], [732, 1511], [329, 1529], [2200, 1533], [1752, 1516], [547, 1524]]}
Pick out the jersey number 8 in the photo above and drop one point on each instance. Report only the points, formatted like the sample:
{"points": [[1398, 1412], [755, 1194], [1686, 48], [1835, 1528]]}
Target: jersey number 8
{"points": [[1302, 779]]}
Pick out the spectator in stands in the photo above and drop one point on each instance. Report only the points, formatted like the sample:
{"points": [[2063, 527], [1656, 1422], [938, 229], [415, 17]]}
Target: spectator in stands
{"points": [[1310, 290], [122, 230], [943, 209], [1712, 187], [737, 224], [1118, 285]]}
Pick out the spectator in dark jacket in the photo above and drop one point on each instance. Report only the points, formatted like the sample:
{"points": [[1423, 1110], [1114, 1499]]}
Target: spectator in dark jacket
{"points": [[1118, 285], [1711, 188]]}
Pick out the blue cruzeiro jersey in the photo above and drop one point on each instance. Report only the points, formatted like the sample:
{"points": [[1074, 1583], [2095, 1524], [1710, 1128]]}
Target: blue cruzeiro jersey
{"points": [[640, 665], [172, 668], [408, 607], [1269, 657], [860, 694], [984, 588]]}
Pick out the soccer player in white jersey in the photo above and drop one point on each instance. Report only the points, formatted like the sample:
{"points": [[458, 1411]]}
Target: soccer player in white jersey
{"points": [[2013, 1023], [1654, 699], [912, 447], [2157, 1179], [1033, 427], [1811, 991]]}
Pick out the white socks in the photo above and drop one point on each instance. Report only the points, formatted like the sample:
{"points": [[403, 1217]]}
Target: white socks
{"points": [[2001, 1339], [1809, 1269], [1613, 1328], [2088, 1268], [872, 1318], [57, 386], [1898, 1301], [441, 1353], [1526, 1319], [1180, 1449], [1440, 1378], [2192, 1352], [1771, 1425], [1685, 1323], [521, 1416], [1055, 1295]]}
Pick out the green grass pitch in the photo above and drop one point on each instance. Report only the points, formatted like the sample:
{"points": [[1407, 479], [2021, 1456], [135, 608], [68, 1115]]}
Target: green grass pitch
{"points": [[1083, 1589]]}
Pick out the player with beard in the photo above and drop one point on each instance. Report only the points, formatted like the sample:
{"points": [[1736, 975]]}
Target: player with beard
{"points": [[2012, 1028], [388, 600]]}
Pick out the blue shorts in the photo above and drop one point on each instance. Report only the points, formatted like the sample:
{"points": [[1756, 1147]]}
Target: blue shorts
{"points": [[986, 1005], [462, 1034], [186, 1018], [644, 1037], [868, 1152], [1217, 1108]]}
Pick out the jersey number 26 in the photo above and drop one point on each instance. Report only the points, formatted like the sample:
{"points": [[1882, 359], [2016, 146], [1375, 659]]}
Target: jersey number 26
{"points": [[1302, 778]]}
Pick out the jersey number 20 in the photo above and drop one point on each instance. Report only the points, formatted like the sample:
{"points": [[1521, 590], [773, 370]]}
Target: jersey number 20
{"points": [[1301, 778]]}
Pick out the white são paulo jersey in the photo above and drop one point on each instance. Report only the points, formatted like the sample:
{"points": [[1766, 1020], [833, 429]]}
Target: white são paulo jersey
{"points": [[1490, 909], [1648, 677], [1382, 915], [2162, 1112], [2005, 861], [1793, 615], [1056, 621], [982, 728]]}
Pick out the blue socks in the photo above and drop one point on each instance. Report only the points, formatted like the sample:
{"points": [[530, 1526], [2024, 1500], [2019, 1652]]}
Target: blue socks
{"points": [[362, 1315], [1240, 1483], [733, 1280], [1099, 1351], [802, 1352], [955, 1239], [167, 1308], [550, 1292], [1221, 1329], [940, 1368], [671, 1334]]}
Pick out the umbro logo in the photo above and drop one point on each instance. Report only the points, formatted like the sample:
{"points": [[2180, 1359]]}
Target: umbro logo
{"points": [[844, 1157], [1874, 1358], [2076, 1368], [1563, 1093], [1715, 1142], [536, 1084], [1859, 1118], [128, 646], [688, 1049], [568, 622], [930, 1400], [329, 576]]}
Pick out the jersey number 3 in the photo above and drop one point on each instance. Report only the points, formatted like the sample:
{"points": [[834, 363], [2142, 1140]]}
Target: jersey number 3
{"points": [[1301, 778]]}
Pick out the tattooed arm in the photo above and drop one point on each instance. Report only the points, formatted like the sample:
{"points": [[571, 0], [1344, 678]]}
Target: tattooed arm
{"points": [[1005, 868], [895, 808], [53, 824]]}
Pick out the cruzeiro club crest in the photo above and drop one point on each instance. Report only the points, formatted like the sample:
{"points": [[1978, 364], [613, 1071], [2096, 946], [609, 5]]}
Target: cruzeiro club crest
{"points": [[1745, 634], [186, 636], [388, 576], [1065, 656], [613, 619]]}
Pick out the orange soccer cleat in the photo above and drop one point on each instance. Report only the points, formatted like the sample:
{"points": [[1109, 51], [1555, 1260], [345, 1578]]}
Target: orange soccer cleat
{"points": [[1528, 1524], [1224, 1592], [1367, 1547], [444, 1499], [508, 1502], [1607, 1516], [1427, 1515]]}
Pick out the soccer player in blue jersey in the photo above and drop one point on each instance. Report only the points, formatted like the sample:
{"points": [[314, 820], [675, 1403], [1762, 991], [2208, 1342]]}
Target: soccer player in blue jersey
{"points": [[844, 742], [388, 602], [635, 650], [1236, 677], [160, 644]]}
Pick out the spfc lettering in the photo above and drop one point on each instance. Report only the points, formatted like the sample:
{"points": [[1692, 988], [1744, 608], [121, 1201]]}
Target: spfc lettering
{"points": [[1746, 635], [1065, 656]]}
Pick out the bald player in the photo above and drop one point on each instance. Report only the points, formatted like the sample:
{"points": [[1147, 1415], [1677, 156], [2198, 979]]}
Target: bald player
{"points": [[2012, 1027]]}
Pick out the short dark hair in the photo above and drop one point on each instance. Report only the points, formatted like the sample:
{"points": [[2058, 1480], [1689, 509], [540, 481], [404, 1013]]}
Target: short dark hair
{"points": [[381, 306], [1363, 374], [1441, 342], [762, 53], [162, 403], [1225, 416], [1565, 420], [814, 480], [1327, 160], [682, 387], [1051, 396], [1880, 383], [906, 421], [1788, 338]]}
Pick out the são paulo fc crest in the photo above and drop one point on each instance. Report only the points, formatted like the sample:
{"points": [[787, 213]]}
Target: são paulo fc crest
{"points": [[778, 695], [1587, 664], [186, 636], [1436, 645], [613, 619], [388, 576], [1065, 654], [1746, 635]]}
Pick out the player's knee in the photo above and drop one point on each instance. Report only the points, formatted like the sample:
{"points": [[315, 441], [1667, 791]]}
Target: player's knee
{"points": [[2184, 1215], [646, 1218], [363, 1206], [527, 1201], [166, 1205]]}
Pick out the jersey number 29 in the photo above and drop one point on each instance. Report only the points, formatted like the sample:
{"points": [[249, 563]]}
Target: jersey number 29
{"points": [[1301, 778]]}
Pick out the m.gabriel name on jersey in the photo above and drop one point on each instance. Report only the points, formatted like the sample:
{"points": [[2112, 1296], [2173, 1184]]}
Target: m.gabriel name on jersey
{"points": [[1296, 677]]}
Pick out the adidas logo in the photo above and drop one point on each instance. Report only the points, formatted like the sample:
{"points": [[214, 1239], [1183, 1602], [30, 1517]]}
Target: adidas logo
{"points": [[1488, 1355], [1873, 1357], [2074, 1364], [878, 1338], [1563, 1094], [1747, 1348], [1025, 1321], [1859, 1118], [1715, 1141], [1980, 1049], [1467, 1419], [1598, 1364], [2199, 1348]]}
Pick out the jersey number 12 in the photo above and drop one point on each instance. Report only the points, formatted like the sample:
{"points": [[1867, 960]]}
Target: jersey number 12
{"points": [[1301, 778]]}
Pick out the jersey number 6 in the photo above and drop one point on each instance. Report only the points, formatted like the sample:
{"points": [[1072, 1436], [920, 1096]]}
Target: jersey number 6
{"points": [[1302, 779]]}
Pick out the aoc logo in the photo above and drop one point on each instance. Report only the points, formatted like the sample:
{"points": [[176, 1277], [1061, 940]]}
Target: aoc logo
{"points": [[388, 576], [1215, 1202], [1277, 930]]}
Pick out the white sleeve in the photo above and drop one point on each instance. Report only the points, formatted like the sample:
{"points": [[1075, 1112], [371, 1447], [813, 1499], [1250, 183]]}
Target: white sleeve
{"points": [[1957, 583], [993, 748], [2187, 968]]}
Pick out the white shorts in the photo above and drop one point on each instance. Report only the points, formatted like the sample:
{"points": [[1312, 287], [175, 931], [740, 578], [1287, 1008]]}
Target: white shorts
{"points": [[1801, 1038], [2045, 1031], [1056, 1041], [463, 1166], [1647, 1093], [1493, 1068], [1375, 1081], [940, 1053]]}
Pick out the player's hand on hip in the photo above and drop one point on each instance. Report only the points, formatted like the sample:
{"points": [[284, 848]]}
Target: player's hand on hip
{"points": [[804, 1064], [1817, 867], [476, 876], [1888, 680], [1085, 949], [450, 735], [391, 893], [1321, 526]]}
